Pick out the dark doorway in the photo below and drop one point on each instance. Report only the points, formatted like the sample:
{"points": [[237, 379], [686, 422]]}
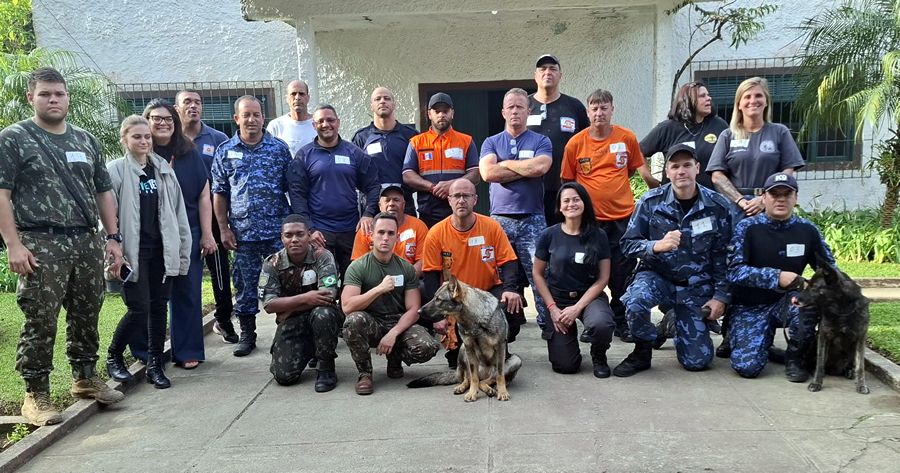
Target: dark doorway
{"points": [[476, 112]]}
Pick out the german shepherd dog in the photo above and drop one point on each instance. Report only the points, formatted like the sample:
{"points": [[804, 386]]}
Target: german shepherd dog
{"points": [[483, 329], [843, 314]]}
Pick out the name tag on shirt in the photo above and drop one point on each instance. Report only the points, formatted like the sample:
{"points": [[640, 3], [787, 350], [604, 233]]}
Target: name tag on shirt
{"points": [[209, 150], [526, 154], [476, 240], [454, 153], [579, 257], [795, 249], [534, 120], [740, 143], [309, 277], [341, 159], [617, 147], [398, 280], [690, 143], [76, 157], [407, 234], [567, 124], [234, 155], [373, 148], [701, 225]]}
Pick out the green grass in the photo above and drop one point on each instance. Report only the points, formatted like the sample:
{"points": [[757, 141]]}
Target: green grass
{"points": [[884, 329], [12, 388], [865, 270]]}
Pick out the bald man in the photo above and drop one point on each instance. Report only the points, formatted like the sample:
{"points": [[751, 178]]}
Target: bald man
{"points": [[385, 140], [295, 128]]}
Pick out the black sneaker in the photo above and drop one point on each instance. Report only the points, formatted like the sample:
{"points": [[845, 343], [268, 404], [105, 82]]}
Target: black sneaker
{"points": [[226, 330]]}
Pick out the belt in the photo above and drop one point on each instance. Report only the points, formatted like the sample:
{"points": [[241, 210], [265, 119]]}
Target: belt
{"points": [[68, 231], [755, 191], [575, 295]]}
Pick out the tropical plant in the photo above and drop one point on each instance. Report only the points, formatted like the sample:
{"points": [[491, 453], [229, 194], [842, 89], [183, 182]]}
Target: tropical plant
{"points": [[94, 104], [717, 21], [16, 31], [851, 71]]}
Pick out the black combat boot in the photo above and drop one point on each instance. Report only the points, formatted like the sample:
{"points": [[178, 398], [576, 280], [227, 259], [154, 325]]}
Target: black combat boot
{"points": [[155, 374], [793, 363], [247, 341], [638, 360], [115, 367], [326, 379], [724, 350], [598, 358]]}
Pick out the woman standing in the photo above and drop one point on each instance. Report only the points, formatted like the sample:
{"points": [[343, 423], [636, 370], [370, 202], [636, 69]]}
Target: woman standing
{"points": [[149, 200], [186, 303], [692, 120], [575, 255]]}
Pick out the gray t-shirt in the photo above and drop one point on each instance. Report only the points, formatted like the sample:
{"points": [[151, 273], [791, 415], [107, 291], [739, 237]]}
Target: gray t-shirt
{"points": [[750, 161]]}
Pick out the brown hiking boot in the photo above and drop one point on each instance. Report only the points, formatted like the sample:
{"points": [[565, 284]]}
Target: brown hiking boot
{"points": [[38, 409], [364, 386], [94, 388]]}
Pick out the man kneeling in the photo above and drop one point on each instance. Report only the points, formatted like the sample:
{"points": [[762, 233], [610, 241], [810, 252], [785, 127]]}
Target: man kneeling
{"points": [[299, 285], [381, 299]]}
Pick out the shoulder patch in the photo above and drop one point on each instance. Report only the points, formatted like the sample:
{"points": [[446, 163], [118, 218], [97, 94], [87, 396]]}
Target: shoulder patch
{"points": [[329, 281]]}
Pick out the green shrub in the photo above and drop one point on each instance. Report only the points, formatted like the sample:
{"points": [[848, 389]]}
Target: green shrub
{"points": [[8, 279], [856, 236]]}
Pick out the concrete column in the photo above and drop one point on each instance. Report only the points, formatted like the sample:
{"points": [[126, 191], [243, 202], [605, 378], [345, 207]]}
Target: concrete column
{"points": [[307, 59], [662, 71]]}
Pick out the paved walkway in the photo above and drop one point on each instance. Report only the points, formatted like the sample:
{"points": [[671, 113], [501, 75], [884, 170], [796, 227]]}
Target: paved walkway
{"points": [[229, 416]]}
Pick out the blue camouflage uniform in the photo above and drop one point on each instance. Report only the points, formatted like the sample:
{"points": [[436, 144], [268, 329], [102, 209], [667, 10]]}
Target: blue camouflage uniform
{"points": [[684, 278], [253, 179], [760, 249]]}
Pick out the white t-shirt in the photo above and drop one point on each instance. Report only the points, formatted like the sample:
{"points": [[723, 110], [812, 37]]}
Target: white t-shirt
{"points": [[295, 134]]}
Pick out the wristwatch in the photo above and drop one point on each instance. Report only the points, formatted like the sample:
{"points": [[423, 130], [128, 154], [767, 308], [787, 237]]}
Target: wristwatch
{"points": [[114, 236]]}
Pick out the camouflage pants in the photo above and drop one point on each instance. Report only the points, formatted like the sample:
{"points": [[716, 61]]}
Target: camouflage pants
{"points": [[693, 346], [69, 275], [302, 337], [247, 264], [753, 330], [363, 331], [523, 235]]}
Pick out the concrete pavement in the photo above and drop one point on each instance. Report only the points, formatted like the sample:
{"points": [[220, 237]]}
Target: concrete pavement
{"points": [[229, 416]]}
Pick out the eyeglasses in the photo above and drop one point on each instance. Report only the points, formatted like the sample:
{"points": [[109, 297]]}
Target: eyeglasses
{"points": [[458, 197], [513, 149], [158, 119]]}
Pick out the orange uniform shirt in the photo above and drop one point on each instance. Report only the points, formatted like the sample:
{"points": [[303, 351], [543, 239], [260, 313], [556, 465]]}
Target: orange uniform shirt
{"points": [[473, 256], [602, 167], [410, 241]]}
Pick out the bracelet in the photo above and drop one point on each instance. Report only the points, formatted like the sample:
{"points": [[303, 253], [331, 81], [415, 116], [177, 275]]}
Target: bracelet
{"points": [[738, 202], [551, 305]]}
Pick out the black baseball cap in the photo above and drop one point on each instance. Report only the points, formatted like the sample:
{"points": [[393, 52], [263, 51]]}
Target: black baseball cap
{"points": [[681, 148], [391, 187], [780, 179], [440, 97], [546, 58]]}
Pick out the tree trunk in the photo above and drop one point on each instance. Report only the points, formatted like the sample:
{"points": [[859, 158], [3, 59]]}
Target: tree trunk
{"points": [[889, 207]]}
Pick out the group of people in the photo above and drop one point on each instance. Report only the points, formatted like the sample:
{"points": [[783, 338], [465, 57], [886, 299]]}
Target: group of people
{"points": [[327, 237]]}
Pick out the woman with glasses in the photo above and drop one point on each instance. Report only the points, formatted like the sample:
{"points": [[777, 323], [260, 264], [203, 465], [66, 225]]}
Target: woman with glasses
{"points": [[156, 241], [571, 269], [692, 120], [178, 151]]}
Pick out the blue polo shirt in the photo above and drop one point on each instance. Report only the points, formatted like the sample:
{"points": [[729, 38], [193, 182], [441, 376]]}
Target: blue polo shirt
{"points": [[322, 183], [387, 149], [207, 141], [253, 179], [523, 196], [192, 176]]}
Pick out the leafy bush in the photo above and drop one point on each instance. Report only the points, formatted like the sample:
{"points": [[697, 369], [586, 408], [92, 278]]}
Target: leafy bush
{"points": [[8, 279], [857, 236]]}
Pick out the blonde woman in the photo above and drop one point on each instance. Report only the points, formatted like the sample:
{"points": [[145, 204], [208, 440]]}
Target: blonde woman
{"points": [[156, 242]]}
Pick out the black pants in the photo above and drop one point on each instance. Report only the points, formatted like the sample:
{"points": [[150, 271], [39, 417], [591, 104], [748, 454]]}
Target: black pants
{"points": [[620, 267], [563, 349], [551, 212], [220, 274], [146, 300], [341, 246]]}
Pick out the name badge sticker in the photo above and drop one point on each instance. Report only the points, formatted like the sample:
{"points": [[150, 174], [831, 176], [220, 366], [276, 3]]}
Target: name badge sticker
{"points": [[454, 153], [617, 147], [373, 148], [341, 159], [534, 120], [795, 249], [702, 225], [234, 155], [740, 143], [407, 234], [476, 240], [579, 257], [567, 124], [398, 280], [690, 143], [76, 157], [526, 154], [309, 277], [209, 150]]}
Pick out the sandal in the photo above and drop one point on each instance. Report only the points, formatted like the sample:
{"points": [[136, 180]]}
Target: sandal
{"points": [[190, 364]]}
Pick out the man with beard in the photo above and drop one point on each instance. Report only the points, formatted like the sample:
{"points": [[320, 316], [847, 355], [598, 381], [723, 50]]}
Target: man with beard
{"points": [[410, 234], [296, 128]]}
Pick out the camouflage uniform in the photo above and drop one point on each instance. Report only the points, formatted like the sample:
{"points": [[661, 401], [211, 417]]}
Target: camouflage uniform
{"points": [[301, 335], [64, 242], [760, 249], [684, 278], [252, 178]]}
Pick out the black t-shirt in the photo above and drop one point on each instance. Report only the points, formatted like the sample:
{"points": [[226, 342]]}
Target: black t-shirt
{"points": [[559, 120], [687, 204], [151, 238], [671, 132], [568, 268]]}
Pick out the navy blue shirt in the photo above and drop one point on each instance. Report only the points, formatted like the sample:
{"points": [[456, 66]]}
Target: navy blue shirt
{"points": [[206, 143], [322, 183], [192, 177], [524, 196], [387, 149]]}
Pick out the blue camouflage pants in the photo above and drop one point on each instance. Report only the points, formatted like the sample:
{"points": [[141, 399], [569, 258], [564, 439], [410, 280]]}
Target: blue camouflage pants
{"points": [[753, 330], [693, 346], [247, 264], [523, 235]]}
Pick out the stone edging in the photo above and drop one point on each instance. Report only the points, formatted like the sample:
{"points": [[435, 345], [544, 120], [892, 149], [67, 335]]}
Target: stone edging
{"points": [[75, 415], [878, 282]]}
